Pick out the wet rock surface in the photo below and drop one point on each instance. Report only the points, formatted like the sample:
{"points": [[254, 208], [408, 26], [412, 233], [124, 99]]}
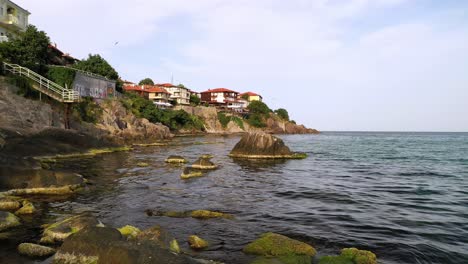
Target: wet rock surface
{"points": [[204, 163], [34, 250], [8, 220], [59, 231]]}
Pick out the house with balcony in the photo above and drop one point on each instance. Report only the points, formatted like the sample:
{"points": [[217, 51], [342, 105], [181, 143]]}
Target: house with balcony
{"points": [[158, 95], [13, 19], [221, 97], [179, 94]]}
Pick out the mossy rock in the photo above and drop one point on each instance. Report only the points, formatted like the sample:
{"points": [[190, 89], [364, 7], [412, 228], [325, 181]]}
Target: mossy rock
{"points": [[205, 214], [204, 163], [59, 231], [34, 250], [27, 208], [197, 243], [8, 220], [130, 232], [142, 164], [176, 159], [190, 173], [287, 259], [174, 246], [156, 235], [271, 244], [351, 256], [9, 204]]}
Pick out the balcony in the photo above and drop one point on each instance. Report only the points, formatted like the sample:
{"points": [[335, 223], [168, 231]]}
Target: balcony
{"points": [[11, 21], [3, 38]]}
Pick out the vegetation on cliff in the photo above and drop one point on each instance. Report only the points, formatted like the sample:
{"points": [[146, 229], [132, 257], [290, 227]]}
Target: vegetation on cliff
{"points": [[146, 81]]}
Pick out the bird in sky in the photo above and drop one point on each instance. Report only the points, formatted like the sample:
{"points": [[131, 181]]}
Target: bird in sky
{"points": [[116, 43]]}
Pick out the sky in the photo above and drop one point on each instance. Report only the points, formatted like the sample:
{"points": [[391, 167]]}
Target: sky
{"points": [[339, 65]]}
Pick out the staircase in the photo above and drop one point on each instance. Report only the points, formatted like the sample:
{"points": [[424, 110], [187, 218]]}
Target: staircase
{"points": [[44, 85]]}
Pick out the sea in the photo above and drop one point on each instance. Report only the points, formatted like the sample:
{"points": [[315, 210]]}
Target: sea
{"points": [[403, 196]]}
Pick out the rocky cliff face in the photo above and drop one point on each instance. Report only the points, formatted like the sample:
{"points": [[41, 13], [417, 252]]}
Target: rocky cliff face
{"points": [[274, 124]]}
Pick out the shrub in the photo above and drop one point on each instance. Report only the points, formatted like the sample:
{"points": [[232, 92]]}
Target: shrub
{"points": [[97, 65], [257, 107], [238, 121], [194, 100], [24, 87], [88, 110], [223, 119], [282, 113], [256, 120], [62, 76], [146, 81]]}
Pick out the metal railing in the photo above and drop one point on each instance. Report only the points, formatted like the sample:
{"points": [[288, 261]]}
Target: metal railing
{"points": [[45, 85]]}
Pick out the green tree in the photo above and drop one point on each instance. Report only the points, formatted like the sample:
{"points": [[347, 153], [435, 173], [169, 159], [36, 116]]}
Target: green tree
{"points": [[194, 100], [29, 49], [245, 97], [257, 107], [282, 113], [181, 86], [146, 81], [97, 65]]}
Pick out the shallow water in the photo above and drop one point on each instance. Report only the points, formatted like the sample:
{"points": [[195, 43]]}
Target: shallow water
{"points": [[402, 195]]}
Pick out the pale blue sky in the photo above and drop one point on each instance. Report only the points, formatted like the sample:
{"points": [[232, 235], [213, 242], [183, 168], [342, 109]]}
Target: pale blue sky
{"points": [[389, 65]]}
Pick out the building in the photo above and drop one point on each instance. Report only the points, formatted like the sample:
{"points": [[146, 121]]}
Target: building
{"points": [[92, 85], [58, 57], [222, 97], [179, 94], [13, 19], [251, 96], [158, 95]]}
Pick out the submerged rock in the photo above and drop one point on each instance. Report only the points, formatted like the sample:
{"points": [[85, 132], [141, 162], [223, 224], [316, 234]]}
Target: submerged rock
{"points": [[190, 173], [285, 259], [155, 235], [205, 214], [142, 164], [351, 256], [176, 159], [59, 231], [34, 250], [174, 246], [196, 242], [107, 245], [8, 220], [271, 244], [27, 208], [130, 232], [263, 146], [204, 163]]}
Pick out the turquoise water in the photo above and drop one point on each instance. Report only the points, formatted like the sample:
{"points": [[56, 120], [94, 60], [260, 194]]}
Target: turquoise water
{"points": [[402, 195]]}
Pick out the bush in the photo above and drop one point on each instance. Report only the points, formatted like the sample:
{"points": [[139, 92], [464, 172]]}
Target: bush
{"points": [[256, 120], [238, 121], [97, 65], [146, 81], [194, 100], [24, 87], [224, 120], [88, 110], [282, 113], [257, 107], [62, 76]]}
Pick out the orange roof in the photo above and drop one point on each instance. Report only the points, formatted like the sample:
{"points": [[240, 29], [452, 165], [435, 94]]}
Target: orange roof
{"points": [[219, 90], [165, 84], [145, 88], [250, 94]]}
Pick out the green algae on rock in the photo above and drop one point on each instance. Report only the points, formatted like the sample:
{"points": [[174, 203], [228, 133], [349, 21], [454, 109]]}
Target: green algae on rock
{"points": [[204, 163], [142, 164], [34, 250], [9, 203], [88, 154], [191, 173], [196, 242], [284, 259], [271, 244], [351, 256], [8, 220], [174, 246], [27, 208], [59, 231], [130, 232], [176, 159], [205, 214]]}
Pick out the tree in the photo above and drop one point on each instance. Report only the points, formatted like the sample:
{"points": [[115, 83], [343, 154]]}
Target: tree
{"points": [[181, 86], [29, 49], [97, 65], [195, 100], [257, 107], [282, 113], [146, 81], [245, 97]]}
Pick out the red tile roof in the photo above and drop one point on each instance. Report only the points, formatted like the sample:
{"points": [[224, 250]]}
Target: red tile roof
{"points": [[219, 90], [145, 88], [250, 94], [165, 84]]}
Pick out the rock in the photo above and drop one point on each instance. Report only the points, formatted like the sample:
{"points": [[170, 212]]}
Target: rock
{"points": [[8, 220], [34, 250], [286, 259], [351, 256], [107, 245], [156, 235], [190, 173], [9, 204], [263, 146], [205, 214], [204, 163], [271, 244], [196, 242], [130, 232], [142, 164], [27, 208], [59, 231], [174, 246], [176, 159]]}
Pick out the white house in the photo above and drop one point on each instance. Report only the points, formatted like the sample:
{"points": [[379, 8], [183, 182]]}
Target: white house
{"points": [[179, 94], [13, 19]]}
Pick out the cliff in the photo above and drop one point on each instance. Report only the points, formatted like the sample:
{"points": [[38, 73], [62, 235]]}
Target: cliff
{"points": [[275, 125]]}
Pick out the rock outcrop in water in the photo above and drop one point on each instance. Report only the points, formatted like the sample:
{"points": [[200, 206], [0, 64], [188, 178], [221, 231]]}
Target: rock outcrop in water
{"points": [[8, 220], [34, 250], [260, 145], [59, 231], [351, 256]]}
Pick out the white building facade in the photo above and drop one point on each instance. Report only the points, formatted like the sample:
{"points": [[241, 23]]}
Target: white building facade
{"points": [[13, 19]]}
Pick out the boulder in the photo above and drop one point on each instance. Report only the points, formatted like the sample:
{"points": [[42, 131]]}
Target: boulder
{"points": [[27, 208], [8, 220], [350, 256], [197, 243], [189, 172], [107, 245], [155, 235], [59, 231], [271, 244], [204, 163], [260, 145], [130, 232], [9, 204], [176, 159], [34, 250]]}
